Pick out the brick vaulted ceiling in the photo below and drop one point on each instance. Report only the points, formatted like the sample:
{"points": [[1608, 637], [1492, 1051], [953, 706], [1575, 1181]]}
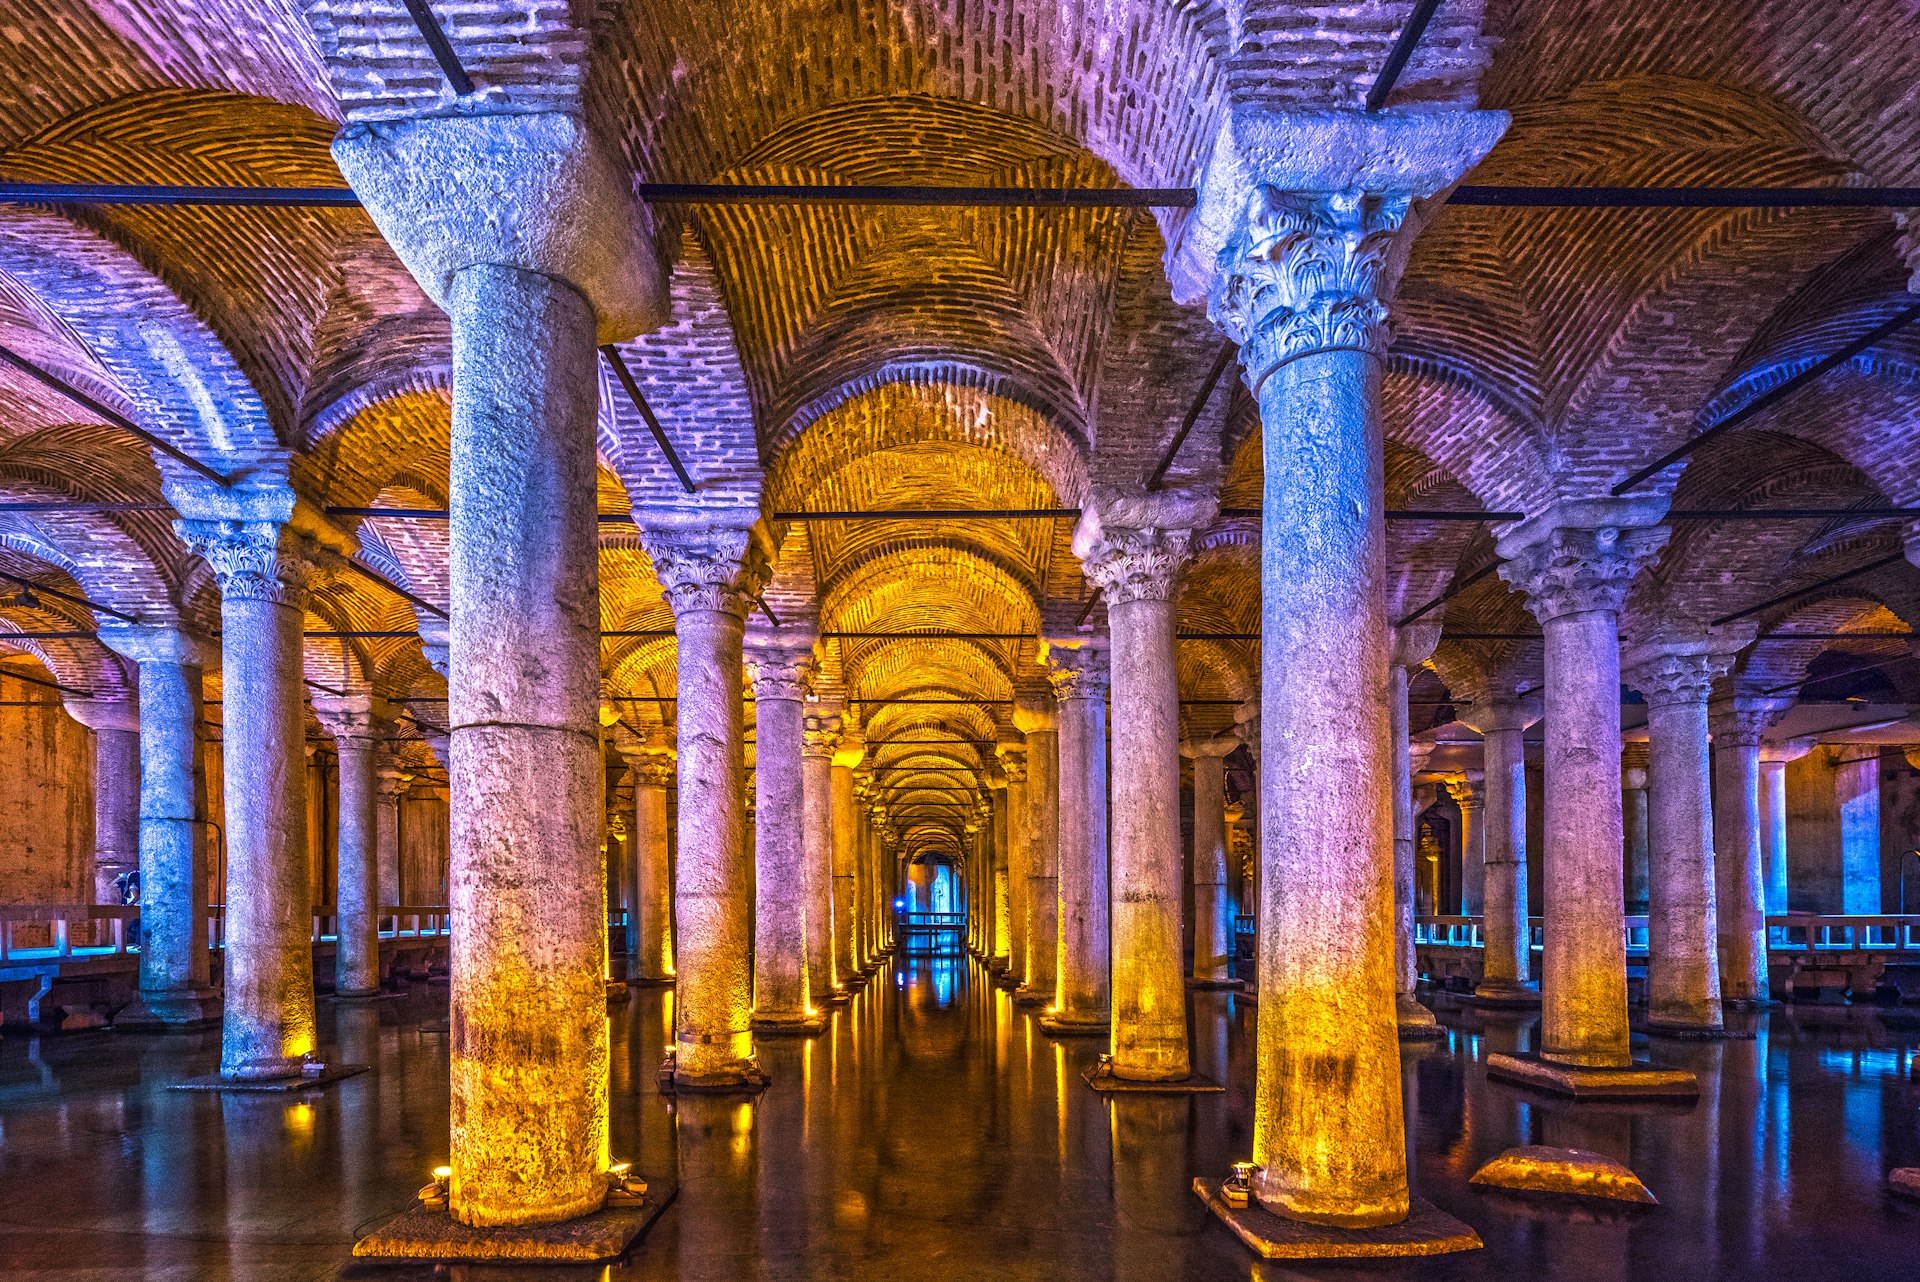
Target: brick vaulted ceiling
{"points": [[846, 357]]}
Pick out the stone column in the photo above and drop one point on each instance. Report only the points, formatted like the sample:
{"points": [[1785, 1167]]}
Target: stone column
{"points": [[703, 574], [1676, 676], [1077, 669], [1240, 846], [262, 566], [116, 790], [1575, 562], [1411, 646], [1773, 820], [1856, 786], [175, 987], [1212, 905], [846, 855], [351, 720], [525, 231], [1247, 730], [1504, 927], [1134, 548], [782, 669], [1034, 719], [650, 868], [1468, 791], [822, 737], [1013, 761], [1738, 859], [1001, 890], [391, 786], [1636, 864]]}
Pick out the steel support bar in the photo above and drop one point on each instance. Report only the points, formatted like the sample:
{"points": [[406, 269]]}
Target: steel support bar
{"points": [[125, 424], [625, 375], [1207, 384], [31, 586], [1402, 50], [437, 44], [1785, 597]]}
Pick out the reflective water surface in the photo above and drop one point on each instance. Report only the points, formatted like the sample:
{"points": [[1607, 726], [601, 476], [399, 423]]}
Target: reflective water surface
{"points": [[935, 1134]]}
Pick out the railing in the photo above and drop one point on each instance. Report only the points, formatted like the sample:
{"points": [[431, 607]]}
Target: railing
{"points": [[1794, 933], [72, 931], [930, 932]]}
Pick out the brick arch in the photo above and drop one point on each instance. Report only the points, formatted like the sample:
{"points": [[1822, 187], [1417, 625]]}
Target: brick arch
{"points": [[1769, 665], [80, 663], [124, 560]]}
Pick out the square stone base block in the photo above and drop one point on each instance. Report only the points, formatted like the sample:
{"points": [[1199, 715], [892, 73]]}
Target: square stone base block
{"points": [[811, 1026], [1427, 1230], [1214, 985], [363, 999], [653, 981], [423, 1233], [1905, 1180], [1054, 1026], [1102, 1079], [270, 1085], [1503, 998], [1640, 1081], [752, 1084], [1024, 996], [1687, 1034]]}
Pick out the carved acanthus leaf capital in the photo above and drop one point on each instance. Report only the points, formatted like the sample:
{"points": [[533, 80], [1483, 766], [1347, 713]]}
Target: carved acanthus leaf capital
{"points": [[354, 721], [1013, 761], [1572, 570], [714, 570], [781, 672], [1741, 722], [821, 735], [1307, 272], [1137, 564], [257, 560], [1077, 669]]}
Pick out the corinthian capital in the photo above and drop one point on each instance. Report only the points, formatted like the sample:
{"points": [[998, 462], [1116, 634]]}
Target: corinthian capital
{"points": [[256, 560], [1679, 663], [1077, 668], [1134, 547], [1581, 555], [820, 736], [781, 665], [712, 570], [353, 720], [1306, 272]]}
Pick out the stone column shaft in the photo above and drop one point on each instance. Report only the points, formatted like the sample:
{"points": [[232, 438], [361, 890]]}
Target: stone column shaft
{"points": [[1018, 815], [846, 854], [1683, 971], [822, 737], [1081, 997], [1504, 926], [1773, 831], [1002, 887], [1212, 905], [780, 989], [115, 724], [651, 888], [1043, 853], [386, 834], [349, 720], [1856, 785], [1411, 647], [1740, 871]]}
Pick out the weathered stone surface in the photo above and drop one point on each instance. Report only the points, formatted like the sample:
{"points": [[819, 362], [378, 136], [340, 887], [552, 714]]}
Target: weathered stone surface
{"points": [[1426, 1230], [1540, 1168]]}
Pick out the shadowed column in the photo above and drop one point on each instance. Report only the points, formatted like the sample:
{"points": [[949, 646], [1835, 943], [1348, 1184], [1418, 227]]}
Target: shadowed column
{"points": [[781, 667], [822, 737], [846, 854], [1412, 646], [350, 719], [650, 767], [1034, 719], [1507, 957], [1575, 561], [1013, 762], [1077, 669], [1134, 549], [391, 784], [1738, 858], [115, 723], [1212, 906]]}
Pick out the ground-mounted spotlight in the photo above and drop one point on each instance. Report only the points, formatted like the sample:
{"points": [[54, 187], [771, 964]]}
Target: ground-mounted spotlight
{"points": [[624, 1188], [1238, 1187], [435, 1194]]}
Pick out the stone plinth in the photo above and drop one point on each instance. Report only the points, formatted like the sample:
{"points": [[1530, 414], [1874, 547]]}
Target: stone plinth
{"points": [[1427, 1230], [1101, 1078], [426, 1233], [1568, 1172], [1631, 1081], [327, 1075]]}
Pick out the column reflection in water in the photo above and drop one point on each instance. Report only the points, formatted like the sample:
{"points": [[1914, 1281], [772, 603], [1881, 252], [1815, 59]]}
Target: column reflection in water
{"points": [[714, 1138], [174, 1172], [356, 1031], [1153, 1201]]}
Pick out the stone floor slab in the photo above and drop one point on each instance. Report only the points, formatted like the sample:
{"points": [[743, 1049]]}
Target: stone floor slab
{"points": [[1054, 1026], [1639, 1081], [1427, 1230], [423, 1233], [272, 1085], [1101, 1079]]}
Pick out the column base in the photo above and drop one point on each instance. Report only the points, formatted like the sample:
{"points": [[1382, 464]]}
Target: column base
{"points": [[186, 1010], [1027, 995], [1427, 1230], [1746, 1003], [1102, 1078], [1563, 1172], [1008, 980], [1416, 1022], [1697, 1032], [1059, 1025], [1214, 985], [1636, 1081], [428, 1233], [1505, 996], [790, 1025], [836, 996], [853, 983], [361, 996], [1904, 1180], [326, 1075], [617, 991], [652, 981], [744, 1080]]}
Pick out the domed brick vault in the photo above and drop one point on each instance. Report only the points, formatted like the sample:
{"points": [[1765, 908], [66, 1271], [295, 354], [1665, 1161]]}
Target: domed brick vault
{"points": [[1029, 363]]}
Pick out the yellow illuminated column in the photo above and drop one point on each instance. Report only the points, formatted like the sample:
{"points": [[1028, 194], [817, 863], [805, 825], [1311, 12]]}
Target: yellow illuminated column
{"points": [[846, 857], [1034, 719], [781, 666], [1078, 670], [1212, 903], [704, 575], [1013, 761], [1002, 905], [1134, 548], [649, 869], [816, 763]]}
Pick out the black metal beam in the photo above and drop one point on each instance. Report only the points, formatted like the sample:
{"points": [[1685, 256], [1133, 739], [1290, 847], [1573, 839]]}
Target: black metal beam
{"points": [[42, 681], [1785, 597], [125, 424], [1458, 586], [1402, 50], [396, 589], [625, 375], [438, 44], [1878, 333], [1194, 411], [1687, 197], [31, 508]]}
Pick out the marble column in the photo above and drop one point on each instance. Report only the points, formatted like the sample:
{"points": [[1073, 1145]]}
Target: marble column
{"points": [[262, 566], [1468, 791], [704, 576], [116, 790], [1212, 905], [846, 854], [1738, 858], [1412, 646], [487, 211], [1773, 821], [1575, 562], [650, 867], [1635, 855], [821, 738], [781, 667], [1506, 933], [1134, 548], [175, 985], [1034, 718], [1856, 787], [1001, 890], [353, 722], [391, 785], [1077, 669], [1013, 761], [1247, 730], [1675, 675]]}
